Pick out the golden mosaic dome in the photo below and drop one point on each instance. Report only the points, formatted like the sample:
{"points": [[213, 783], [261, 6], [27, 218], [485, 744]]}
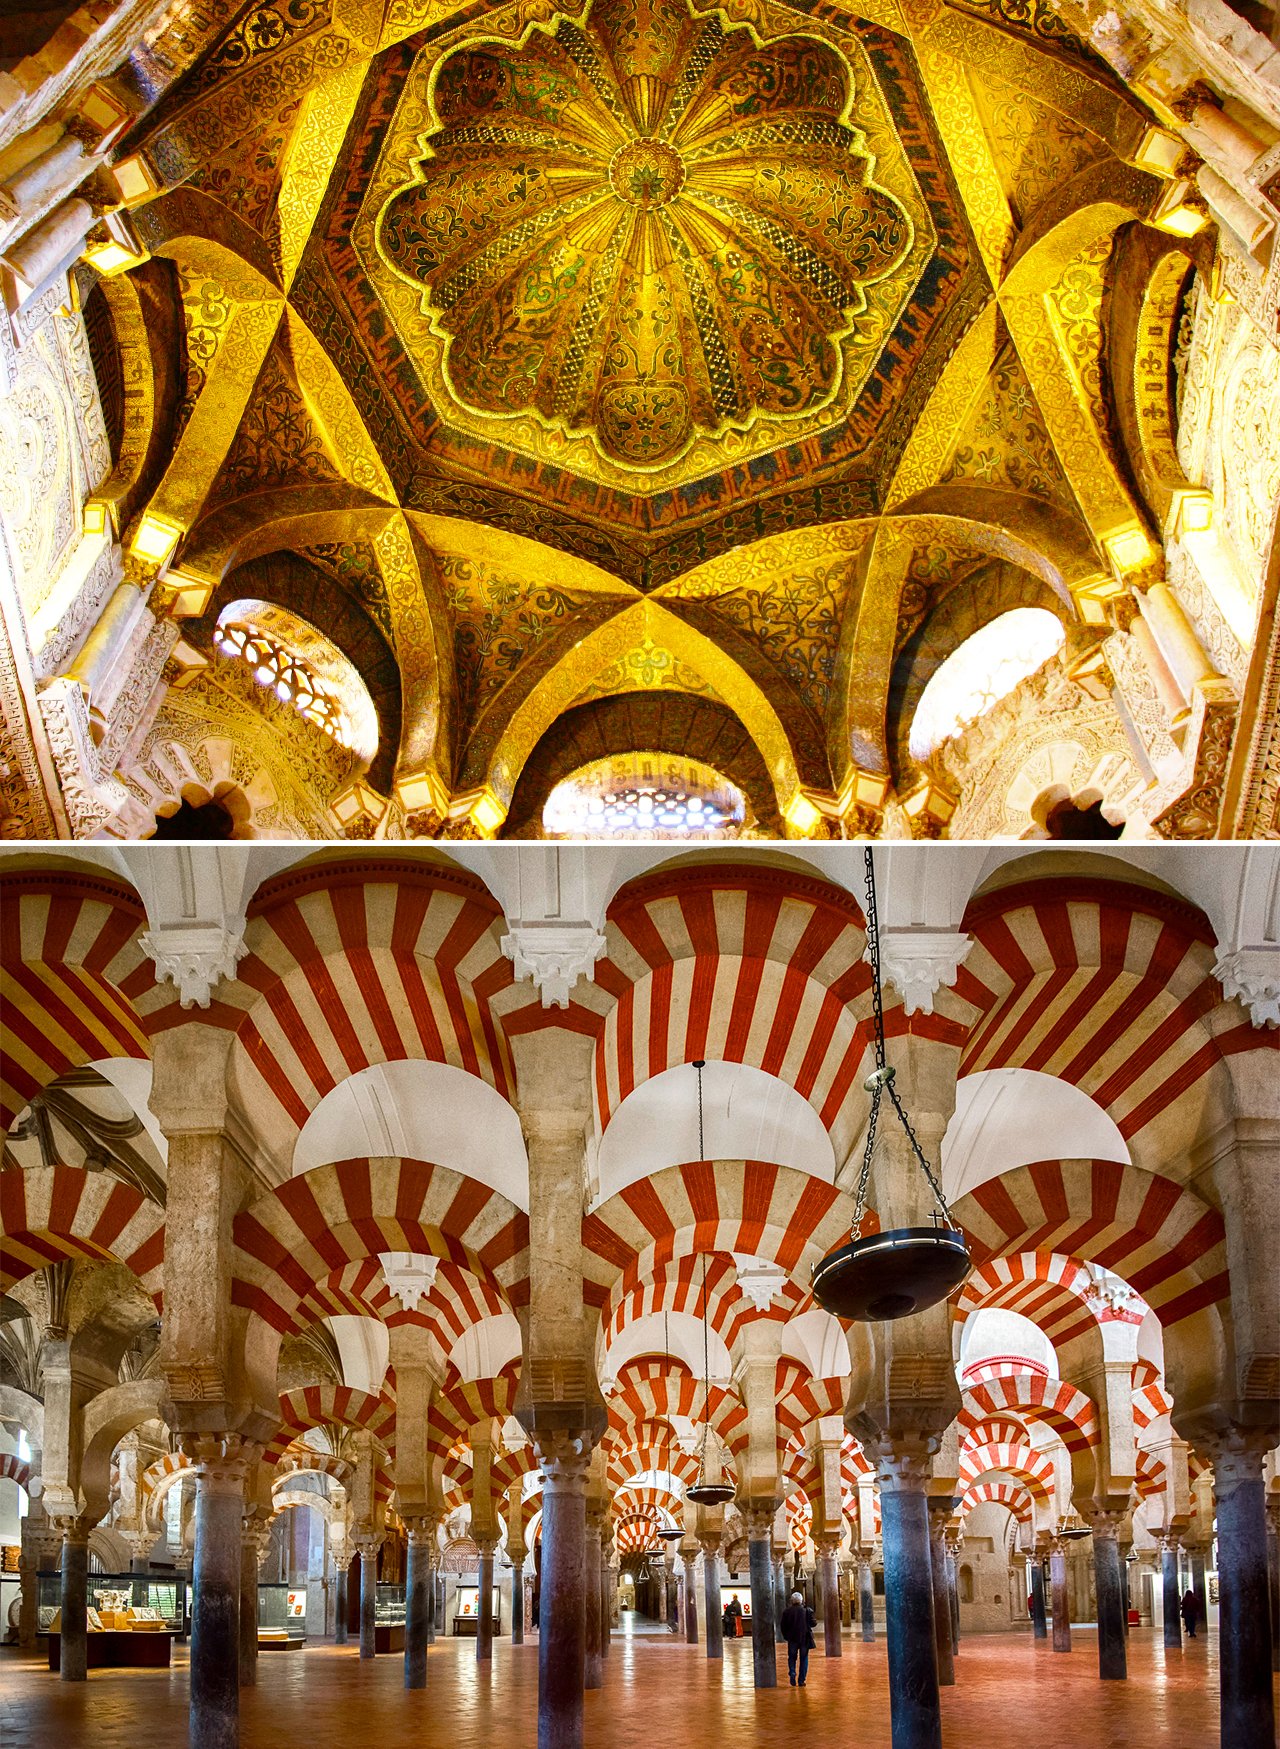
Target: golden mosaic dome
{"points": [[645, 227]]}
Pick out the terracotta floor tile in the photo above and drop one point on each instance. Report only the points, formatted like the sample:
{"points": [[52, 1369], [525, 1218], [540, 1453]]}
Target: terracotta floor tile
{"points": [[1010, 1692]]}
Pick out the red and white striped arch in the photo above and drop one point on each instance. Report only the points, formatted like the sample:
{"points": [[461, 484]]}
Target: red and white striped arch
{"points": [[677, 1287], [331, 1404], [457, 1300], [653, 1388], [1149, 1404], [802, 1399], [1031, 1467], [300, 1234], [48, 1213], [1045, 1286], [13, 1469], [1164, 1241], [993, 1429], [71, 977], [741, 965], [1071, 1415], [465, 1404], [352, 964], [746, 1206], [1107, 985], [1009, 1494]]}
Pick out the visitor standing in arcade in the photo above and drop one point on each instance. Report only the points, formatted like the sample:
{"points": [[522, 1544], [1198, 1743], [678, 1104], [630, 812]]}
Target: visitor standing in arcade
{"points": [[797, 1631]]}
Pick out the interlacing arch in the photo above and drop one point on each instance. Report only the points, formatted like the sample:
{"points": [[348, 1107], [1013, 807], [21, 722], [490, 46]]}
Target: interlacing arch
{"points": [[741, 966], [48, 1213], [1109, 986], [354, 964], [73, 980]]}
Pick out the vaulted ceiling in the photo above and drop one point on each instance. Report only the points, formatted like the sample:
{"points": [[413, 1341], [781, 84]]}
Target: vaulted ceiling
{"points": [[539, 357]]}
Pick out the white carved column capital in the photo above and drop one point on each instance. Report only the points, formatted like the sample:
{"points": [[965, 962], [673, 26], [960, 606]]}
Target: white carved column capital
{"points": [[194, 957], [555, 955], [919, 962], [1253, 975]]}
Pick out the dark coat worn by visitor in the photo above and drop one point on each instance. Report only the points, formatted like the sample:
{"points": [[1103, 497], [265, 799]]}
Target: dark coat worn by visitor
{"points": [[1190, 1608], [798, 1625]]}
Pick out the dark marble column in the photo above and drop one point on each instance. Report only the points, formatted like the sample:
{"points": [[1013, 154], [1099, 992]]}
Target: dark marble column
{"points": [[866, 1597], [562, 1628], [606, 1590], [1244, 1651], [74, 1600], [220, 1469], [1061, 1605], [941, 1592], [340, 1605], [253, 1544], [782, 1588], [435, 1607], [1273, 1579], [484, 1605], [417, 1600], [1108, 1589], [1039, 1621], [368, 1547], [1171, 1593], [1125, 1586], [953, 1590], [764, 1658], [831, 1642], [517, 1604], [711, 1596], [593, 1602], [915, 1709], [690, 1596]]}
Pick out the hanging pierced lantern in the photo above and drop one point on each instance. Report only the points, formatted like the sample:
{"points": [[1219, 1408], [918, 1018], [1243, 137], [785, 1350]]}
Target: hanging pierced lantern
{"points": [[704, 1492], [877, 1277]]}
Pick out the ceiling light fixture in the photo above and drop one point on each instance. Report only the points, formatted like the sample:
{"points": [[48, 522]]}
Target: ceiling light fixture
{"points": [[881, 1276]]}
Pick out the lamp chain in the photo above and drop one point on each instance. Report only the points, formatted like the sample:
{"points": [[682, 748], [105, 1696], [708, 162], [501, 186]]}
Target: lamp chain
{"points": [[880, 1081]]}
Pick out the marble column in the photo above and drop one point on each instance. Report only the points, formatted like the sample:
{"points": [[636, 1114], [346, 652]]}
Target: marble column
{"points": [[562, 1628], [340, 1604], [1112, 1660], [435, 1608], [517, 1603], [1058, 1586], [831, 1643], [1273, 1578], [1039, 1620], [1244, 1652], [764, 1658], [593, 1603], [941, 1593], [484, 1618], [866, 1597], [221, 1465], [783, 1581], [74, 1599], [606, 1591], [368, 1547], [1170, 1593], [711, 1597], [253, 1542], [914, 1706], [417, 1599], [953, 1589], [1126, 1589], [691, 1597]]}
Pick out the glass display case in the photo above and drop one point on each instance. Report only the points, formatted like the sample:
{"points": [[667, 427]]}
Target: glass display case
{"points": [[466, 1609], [388, 1618], [282, 1617], [150, 1602]]}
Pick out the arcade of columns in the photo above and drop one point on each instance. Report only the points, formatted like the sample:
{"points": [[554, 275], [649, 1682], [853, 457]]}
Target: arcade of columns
{"points": [[1154, 1279]]}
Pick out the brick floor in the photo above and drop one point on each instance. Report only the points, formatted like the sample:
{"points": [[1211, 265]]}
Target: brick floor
{"points": [[1010, 1693]]}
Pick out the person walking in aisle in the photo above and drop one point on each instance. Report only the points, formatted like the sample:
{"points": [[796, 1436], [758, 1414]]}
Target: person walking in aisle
{"points": [[1190, 1613], [797, 1631]]}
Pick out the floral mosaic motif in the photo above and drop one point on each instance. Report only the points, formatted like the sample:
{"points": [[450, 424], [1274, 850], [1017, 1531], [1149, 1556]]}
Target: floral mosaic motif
{"points": [[644, 227], [277, 443], [499, 621], [1005, 442], [794, 620], [206, 315], [245, 176], [353, 565], [1076, 302], [647, 668], [1035, 147]]}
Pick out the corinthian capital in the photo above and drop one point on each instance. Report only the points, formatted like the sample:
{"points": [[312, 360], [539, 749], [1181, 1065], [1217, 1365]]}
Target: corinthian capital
{"points": [[919, 962]]}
